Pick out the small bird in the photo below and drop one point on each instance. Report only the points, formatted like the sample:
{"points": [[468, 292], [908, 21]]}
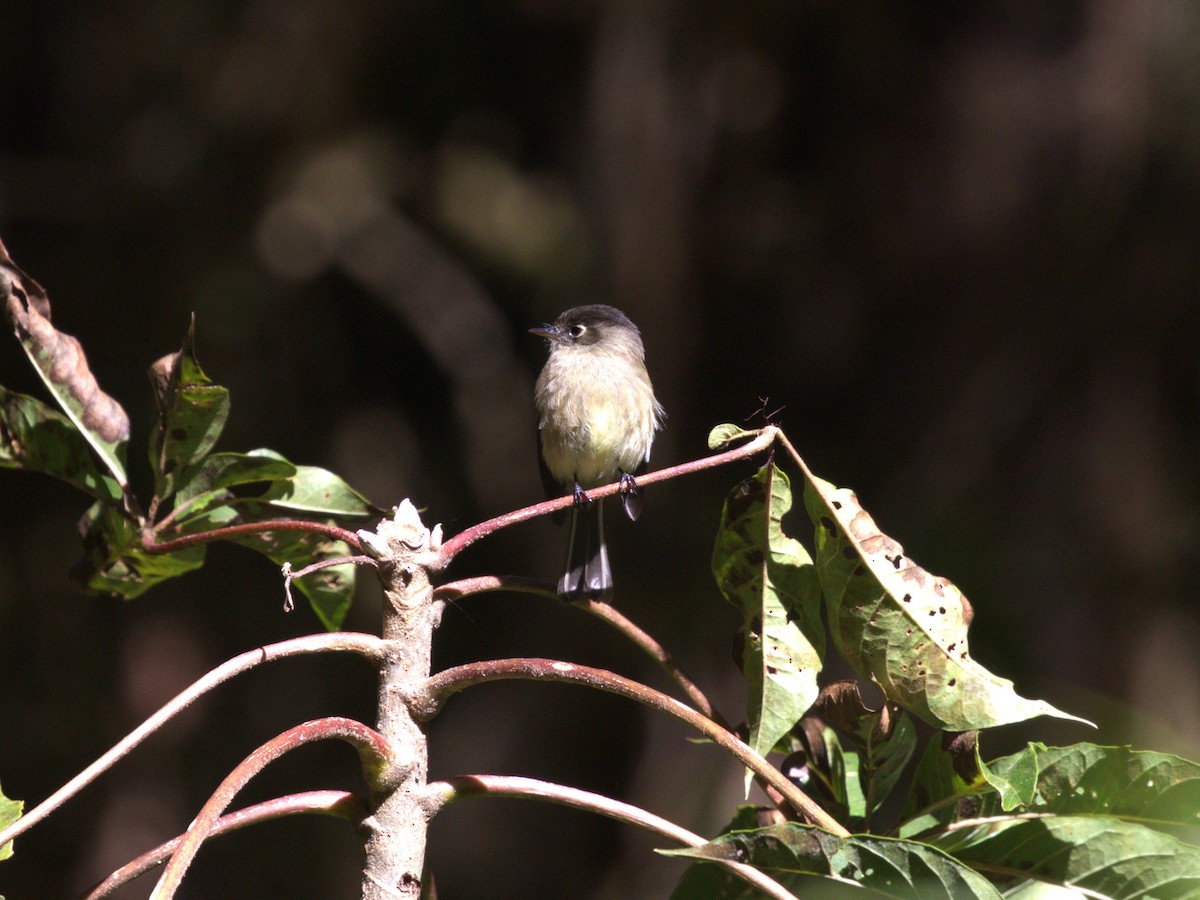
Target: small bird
{"points": [[597, 416]]}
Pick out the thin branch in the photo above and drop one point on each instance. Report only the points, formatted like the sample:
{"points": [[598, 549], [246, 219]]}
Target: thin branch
{"points": [[456, 590], [440, 687], [464, 539], [289, 576], [152, 545], [367, 645], [796, 457], [531, 788], [652, 648], [338, 804], [373, 749]]}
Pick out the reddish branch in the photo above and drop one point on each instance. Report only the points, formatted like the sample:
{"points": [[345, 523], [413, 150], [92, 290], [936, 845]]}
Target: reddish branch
{"points": [[338, 804], [464, 539], [440, 687], [466, 786], [366, 645], [151, 545], [456, 590], [373, 749]]}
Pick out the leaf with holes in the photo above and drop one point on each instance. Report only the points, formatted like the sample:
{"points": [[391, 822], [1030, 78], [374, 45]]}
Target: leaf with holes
{"points": [[769, 577], [901, 627]]}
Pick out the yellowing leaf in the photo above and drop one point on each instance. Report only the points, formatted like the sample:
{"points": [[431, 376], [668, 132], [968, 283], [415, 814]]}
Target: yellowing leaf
{"points": [[902, 627], [769, 577]]}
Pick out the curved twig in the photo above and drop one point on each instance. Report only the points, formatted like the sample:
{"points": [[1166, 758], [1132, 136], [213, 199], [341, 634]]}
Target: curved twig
{"points": [[373, 749], [152, 545], [464, 539], [465, 786], [367, 645], [338, 804], [440, 687], [456, 590]]}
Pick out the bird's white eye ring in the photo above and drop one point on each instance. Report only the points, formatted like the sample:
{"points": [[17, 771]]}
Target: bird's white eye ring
{"points": [[576, 331]]}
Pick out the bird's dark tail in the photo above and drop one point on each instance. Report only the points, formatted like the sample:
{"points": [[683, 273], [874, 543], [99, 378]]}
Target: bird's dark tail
{"points": [[587, 575]]}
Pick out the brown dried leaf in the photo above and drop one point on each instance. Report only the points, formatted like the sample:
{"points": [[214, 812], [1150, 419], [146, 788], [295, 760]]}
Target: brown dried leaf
{"points": [[62, 364]]}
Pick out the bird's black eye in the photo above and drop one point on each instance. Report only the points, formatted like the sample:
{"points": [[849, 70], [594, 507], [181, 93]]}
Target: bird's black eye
{"points": [[576, 331]]}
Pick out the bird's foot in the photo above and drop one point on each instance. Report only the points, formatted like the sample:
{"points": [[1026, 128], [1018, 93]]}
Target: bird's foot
{"points": [[631, 496]]}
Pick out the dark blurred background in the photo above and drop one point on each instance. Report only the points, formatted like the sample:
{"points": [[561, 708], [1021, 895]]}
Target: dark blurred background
{"points": [[956, 243]]}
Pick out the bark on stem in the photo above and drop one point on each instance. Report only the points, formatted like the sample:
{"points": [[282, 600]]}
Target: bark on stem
{"points": [[396, 829]]}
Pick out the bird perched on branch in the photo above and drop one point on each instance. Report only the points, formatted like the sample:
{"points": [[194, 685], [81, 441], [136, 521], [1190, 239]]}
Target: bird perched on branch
{"points": [[597, 416]]}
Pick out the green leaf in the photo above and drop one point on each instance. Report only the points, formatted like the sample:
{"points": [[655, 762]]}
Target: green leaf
{"points": [[1015, 784], [886, 866], [852, 784], [901, 627], [1038, 890], [769, 577], [945, 785], [37, 438], [1087, 779], [884, 758], [723, 435], [1104, 856], [839, 775], [208, 482], [60, 361], [114, 562], [192, 412], [1117, 784], [10, 811], [707, 881], [885, 737], [314, 490], [329, 590]]}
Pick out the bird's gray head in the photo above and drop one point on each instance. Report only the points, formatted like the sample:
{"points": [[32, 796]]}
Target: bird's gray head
{"points": [[596, 326]]}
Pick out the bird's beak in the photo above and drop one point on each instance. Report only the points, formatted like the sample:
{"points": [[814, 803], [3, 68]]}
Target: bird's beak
{"points": [[545, 331]]}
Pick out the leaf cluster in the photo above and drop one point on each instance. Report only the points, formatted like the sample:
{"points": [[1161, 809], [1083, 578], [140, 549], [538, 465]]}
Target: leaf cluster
{"points": [[199, 495], [1086, 820]]}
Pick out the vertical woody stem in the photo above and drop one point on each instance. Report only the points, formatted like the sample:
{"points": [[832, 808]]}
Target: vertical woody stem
{"points": [[396, 830]]}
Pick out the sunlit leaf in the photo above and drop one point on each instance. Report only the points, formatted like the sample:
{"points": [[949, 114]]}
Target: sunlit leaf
{"points": [[901, 627], [1087, 779], [885, 866], [1104, 856], [191, 414], [1016, 783], [769, 577], [60, 361], [37, 438], [10, 811], [210, 481], [723, 435], [315, 490]]}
